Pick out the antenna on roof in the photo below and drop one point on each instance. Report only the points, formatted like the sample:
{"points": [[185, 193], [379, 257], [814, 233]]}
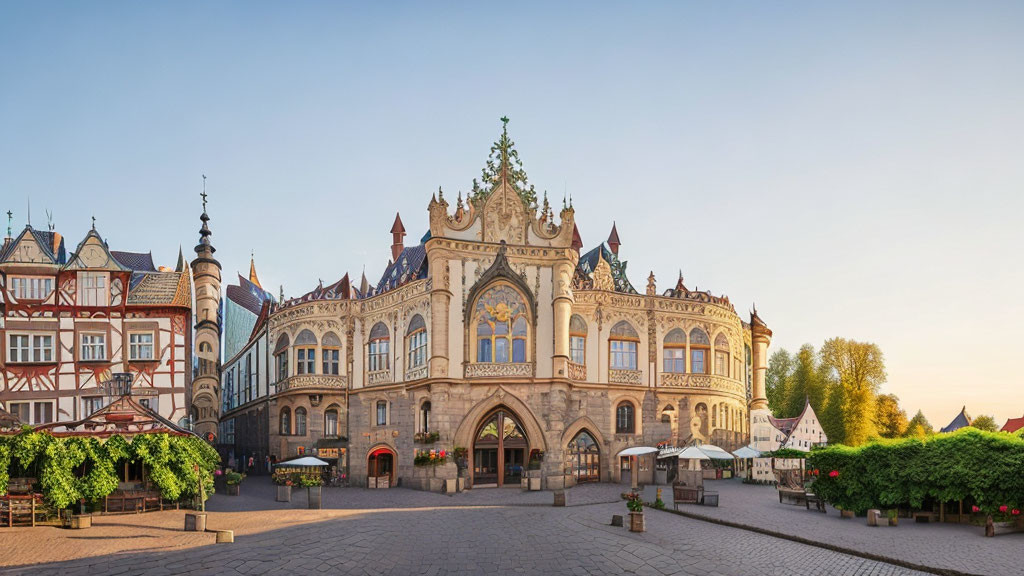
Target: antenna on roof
{"points": [[204, 194], [28, 201]]}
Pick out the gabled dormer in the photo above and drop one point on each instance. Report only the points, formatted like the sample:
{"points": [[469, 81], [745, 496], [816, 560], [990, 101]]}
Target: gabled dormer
{"points": [[33, 247], [100, 280]]}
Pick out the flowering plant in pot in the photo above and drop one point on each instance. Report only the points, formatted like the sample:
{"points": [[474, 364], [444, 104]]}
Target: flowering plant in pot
{"points": [[636, 512]]}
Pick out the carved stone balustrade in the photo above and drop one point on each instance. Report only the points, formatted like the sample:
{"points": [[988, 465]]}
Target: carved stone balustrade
{"points": [[702, 382], [416, 373], [312, 381], [495, 370], [379, 377], [626, 377], [577, 371]]}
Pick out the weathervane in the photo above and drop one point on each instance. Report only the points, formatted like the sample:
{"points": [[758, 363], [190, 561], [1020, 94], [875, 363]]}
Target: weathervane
{"points": [[94, 223], [10, 216], [204, 193]]}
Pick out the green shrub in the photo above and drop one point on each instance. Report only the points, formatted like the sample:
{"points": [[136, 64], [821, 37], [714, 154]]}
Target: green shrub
{"points": [[982, 468]]}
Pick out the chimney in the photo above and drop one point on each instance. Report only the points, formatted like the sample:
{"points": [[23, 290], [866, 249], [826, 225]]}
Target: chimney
{"points": [[397, 232], [613, 240]]}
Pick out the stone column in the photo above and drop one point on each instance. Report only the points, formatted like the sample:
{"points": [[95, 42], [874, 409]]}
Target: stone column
{"points": [[440, 300], [761, 337], [562, 311]]}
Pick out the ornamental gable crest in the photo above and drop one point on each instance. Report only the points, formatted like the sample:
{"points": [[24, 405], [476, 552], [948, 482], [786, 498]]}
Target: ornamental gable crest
{"points": [[92, 254]]}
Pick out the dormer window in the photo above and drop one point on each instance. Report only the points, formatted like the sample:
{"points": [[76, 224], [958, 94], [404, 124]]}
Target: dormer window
{"points": [[31, 288], [93, 289]]}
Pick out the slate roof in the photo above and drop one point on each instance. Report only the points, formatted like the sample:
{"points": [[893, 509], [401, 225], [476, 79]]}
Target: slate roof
{"points": [[589, 260], [52, 245], [244, 298], [1013, 424], [340, 290], [159, 289], [137, 261], [962, 420], [411, 265]]}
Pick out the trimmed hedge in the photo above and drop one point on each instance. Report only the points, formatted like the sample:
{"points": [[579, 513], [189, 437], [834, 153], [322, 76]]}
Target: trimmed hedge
{"points": [[982, 468]]}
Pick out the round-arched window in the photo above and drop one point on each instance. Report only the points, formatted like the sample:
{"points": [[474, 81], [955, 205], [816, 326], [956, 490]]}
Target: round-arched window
{"points": [[502, 326]]}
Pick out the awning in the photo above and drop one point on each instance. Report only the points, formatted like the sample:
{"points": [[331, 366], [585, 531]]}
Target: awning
{"points": [[747, 452], [715, 452], [693, 453], [304, 461], [638, 451]]}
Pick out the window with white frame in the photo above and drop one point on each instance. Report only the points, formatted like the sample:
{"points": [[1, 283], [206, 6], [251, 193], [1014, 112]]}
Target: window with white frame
{"points": [[140, 346], [93, 289], [23, 348], [31, 288], [622, 346], [94, 346], [675, 351], [305, 353], [416, 338], [331, 354], [382, 413], [577, 340]]}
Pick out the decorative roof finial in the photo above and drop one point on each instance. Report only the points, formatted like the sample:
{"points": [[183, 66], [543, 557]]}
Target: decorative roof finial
{"points": [[94, 223], [652, 288], [204, 194], [10, 218]]}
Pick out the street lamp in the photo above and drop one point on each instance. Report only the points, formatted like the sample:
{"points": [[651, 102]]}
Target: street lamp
{"points": [[119, 385]]}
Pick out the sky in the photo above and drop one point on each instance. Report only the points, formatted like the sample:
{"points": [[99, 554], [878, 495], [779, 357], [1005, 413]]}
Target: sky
{"points": [[854, 169]]}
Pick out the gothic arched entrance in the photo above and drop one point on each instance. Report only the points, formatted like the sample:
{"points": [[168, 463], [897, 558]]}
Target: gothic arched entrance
{"points": [[380, 467], [584, 458], [499, 450]]}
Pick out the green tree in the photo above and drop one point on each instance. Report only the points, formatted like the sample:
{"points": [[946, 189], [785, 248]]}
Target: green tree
{"points": [[919, 426], [859, 368], [890, 419], [777, 377], [805, 383], [832, 416], [986, 423]]}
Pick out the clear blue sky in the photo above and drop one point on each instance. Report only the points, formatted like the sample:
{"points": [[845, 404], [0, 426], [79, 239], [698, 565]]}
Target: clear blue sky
{"points": [[854, 169]]}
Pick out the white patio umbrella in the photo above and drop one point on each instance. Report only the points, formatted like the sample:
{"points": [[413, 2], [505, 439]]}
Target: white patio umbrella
{"points": [[304, 461], [715, 452], [693, 453], [633, 452], [747, 452]]}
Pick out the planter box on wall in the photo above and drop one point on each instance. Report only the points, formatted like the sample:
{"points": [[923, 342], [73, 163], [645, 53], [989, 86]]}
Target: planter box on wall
{"points": [[233, 489]]}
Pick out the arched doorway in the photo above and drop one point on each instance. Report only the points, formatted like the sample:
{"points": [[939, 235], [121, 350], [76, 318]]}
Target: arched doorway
{"points": [[584, 458], [380, 468], [499, 450]]}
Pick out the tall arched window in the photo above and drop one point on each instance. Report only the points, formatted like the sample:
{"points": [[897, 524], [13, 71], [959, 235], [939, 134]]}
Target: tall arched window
{"points": [[382, 413], [675, 351], [380, 340], [331, 421], [416, 342], [502, 326], [699, 346], [281, 356], [721, 355], [425, 417], [206, 366], [625, 418], [330, 345], [622, 346], [286, 421], [714, 416], [300, 421], [305, 353], [578, 340]]}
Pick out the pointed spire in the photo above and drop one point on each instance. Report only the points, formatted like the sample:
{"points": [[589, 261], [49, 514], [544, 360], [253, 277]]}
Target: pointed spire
{"points": [[10, 218], [652, 288], [204, 232], [613, 240], [504, 167], [397, 234], [181, 265], [364, 285], [577, 242], [252, 271]]}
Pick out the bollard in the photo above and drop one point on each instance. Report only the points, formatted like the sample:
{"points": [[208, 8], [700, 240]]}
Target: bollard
{"points": [[225, 536], [195, 522], [873, 516], [559, 498], [617, 520]]}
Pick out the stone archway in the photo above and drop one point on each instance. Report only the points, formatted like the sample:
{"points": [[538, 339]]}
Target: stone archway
{"points": [[381, 466], [591, 460], [473, 422]]}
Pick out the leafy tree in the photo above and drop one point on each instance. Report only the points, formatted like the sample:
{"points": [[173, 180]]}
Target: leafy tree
{"points": [[831, 417], [890, 419], [860, 370], [805, 384], [919, 427], [986, 423], [777, 377]]}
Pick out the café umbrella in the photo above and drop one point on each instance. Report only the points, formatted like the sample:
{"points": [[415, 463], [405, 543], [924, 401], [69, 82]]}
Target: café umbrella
{"points": [[304, 461], [633, 453]]}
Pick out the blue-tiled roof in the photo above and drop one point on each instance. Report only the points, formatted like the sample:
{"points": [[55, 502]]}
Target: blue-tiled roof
{"points": [[411, 265], [137, 261], [589, 260], [961, 421]]}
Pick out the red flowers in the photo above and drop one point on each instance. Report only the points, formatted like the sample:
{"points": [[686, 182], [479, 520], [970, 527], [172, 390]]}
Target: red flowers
{"points": [[975, 509], [1015, 512], [833, 474], [1003, 508]]}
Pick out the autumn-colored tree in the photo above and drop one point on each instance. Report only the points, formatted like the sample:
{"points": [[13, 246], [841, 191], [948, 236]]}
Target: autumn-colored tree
{"points": [[776, 379], [986, 423], [890, 419], [919, 426], [859, 367]]}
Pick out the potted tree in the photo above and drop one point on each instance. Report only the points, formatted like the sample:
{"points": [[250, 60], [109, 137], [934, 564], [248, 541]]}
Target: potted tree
{"points": [[313, 482], [284, 486], [233, 480], [636, 512]]}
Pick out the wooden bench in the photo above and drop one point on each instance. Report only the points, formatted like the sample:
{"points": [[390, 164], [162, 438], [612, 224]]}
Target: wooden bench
{"points": [[818, 503], [792, 496], [687, 495], [22, 510]]}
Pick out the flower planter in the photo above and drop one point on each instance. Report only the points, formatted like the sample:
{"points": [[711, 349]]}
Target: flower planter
{"points": [[81, 522], [636, 521], [313, 493], [284, 493], [846, 513], [232, 489]]}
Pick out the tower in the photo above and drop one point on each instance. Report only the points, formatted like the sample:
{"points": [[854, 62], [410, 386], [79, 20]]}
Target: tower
{"points": [[205, 408]]}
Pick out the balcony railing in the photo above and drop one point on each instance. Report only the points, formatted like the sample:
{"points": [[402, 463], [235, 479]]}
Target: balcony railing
{"points": [[312, 381], [379, 377], [577, 371], [495, 370], [626, 377], [416, 373], [701, 382]]}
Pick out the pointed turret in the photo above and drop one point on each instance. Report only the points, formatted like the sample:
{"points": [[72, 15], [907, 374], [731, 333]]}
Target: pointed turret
{"points": [[577, 242], [364, 285], [252, 272], [181, 265], [204, 399], [613, 240], [397, 234]]}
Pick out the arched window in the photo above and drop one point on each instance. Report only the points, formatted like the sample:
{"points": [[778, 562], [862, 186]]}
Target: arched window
{"points": [[625, 419], [622, 345], [380, 340], [206, 366], [502, 326], [578, 340], [286, 421], [721, 355], [331, 421], [585, 458], [382, 413], [281, 356], [425, 417], [331, 354], [416, 342], [675, 351], [667, 412], [699, 346], [300, 421], [305, 354]]}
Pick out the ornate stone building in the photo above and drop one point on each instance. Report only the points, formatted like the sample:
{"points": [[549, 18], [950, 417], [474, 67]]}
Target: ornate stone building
{"points": [[499, 335]]}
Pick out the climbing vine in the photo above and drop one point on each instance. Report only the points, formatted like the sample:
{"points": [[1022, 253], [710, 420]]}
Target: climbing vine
{"points": [[74, 468]]}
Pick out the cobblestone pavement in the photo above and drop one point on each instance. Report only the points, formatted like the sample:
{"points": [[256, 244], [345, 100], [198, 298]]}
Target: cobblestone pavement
{"points": [[958, 547], [437, 539]]}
